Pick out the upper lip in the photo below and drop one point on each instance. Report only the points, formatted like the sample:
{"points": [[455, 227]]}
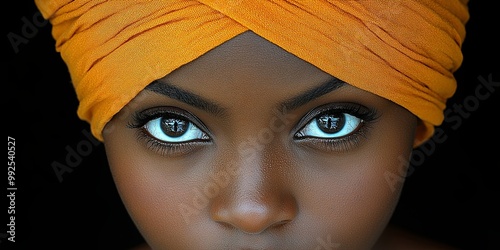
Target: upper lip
{"points": [[252, 242]]}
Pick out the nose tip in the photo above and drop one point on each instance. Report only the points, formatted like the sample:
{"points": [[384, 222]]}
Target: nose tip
{"points": [[255, 217], [261, 195]]}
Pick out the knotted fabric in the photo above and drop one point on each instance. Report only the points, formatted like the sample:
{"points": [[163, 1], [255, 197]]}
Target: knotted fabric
{"points": [[403, 50]]}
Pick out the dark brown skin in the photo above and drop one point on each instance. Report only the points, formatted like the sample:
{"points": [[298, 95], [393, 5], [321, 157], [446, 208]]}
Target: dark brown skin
{"points": [[248, 175]]}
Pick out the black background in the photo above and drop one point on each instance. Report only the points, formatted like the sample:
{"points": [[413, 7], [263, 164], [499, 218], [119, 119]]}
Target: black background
{"points": [[451, 197]]}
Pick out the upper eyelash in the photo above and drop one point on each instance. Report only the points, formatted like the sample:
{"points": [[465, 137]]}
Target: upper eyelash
{"points": [[139, 119], [353, 109], [367, 115], [341, 144], [171, 149]]}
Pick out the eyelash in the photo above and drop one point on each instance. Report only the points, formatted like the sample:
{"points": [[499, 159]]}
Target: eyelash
{"points": [[344, 143], [140, 119], [341, 144]]}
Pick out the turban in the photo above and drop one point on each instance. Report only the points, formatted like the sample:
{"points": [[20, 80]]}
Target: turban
{"points": [[403, 50]]}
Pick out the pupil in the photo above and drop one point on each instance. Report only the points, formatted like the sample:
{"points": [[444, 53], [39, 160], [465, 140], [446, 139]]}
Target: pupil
{"points": [[331, 123], [174, 127]]}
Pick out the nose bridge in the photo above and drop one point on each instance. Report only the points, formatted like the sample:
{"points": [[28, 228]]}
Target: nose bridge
{"points": [[257, 198]]}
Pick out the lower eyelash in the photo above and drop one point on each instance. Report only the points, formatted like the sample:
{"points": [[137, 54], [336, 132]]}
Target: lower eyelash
{"points": [[341, 144], [165, 148]]}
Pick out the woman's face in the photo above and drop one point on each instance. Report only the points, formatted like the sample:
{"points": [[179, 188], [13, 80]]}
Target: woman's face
{"points": [[250, 147]]}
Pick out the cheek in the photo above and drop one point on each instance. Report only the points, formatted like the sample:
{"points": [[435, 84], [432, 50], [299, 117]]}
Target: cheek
{"points": [[349, 201], [353, 198], [353, 203], [152, 196], [345, 198]]}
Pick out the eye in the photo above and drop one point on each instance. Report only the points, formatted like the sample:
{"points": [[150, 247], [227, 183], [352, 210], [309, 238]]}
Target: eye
{"points": [[170, 131], [173, 129], [335, 127], [331, 124]]}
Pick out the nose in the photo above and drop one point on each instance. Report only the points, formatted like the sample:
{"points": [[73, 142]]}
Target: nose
{"points": [[258, 199], [254, 216]]}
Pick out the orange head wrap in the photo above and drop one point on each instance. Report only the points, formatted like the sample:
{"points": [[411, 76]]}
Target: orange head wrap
{"points": [[114, 49]]}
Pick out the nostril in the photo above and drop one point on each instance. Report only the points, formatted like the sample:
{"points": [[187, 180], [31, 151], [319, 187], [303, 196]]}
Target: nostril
{"points": [[225, 224], [281, 223], [251, 218], [254, 227]]}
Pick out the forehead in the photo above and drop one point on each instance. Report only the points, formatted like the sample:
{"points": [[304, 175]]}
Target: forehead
{"points": [[248, 57]]}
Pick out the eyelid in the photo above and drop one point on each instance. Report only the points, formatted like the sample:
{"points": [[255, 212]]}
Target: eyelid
{"points": [[358, 110], [167, 148], [341, 144], [142, 117], [164, 148]]}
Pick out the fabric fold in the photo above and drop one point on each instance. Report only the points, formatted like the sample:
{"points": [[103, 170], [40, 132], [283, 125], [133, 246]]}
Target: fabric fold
{"points": [[405, 51]]}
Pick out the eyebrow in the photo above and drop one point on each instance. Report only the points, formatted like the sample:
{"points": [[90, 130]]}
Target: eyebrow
{"points": [[311, 94], [187, 97], [209, 106]]}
